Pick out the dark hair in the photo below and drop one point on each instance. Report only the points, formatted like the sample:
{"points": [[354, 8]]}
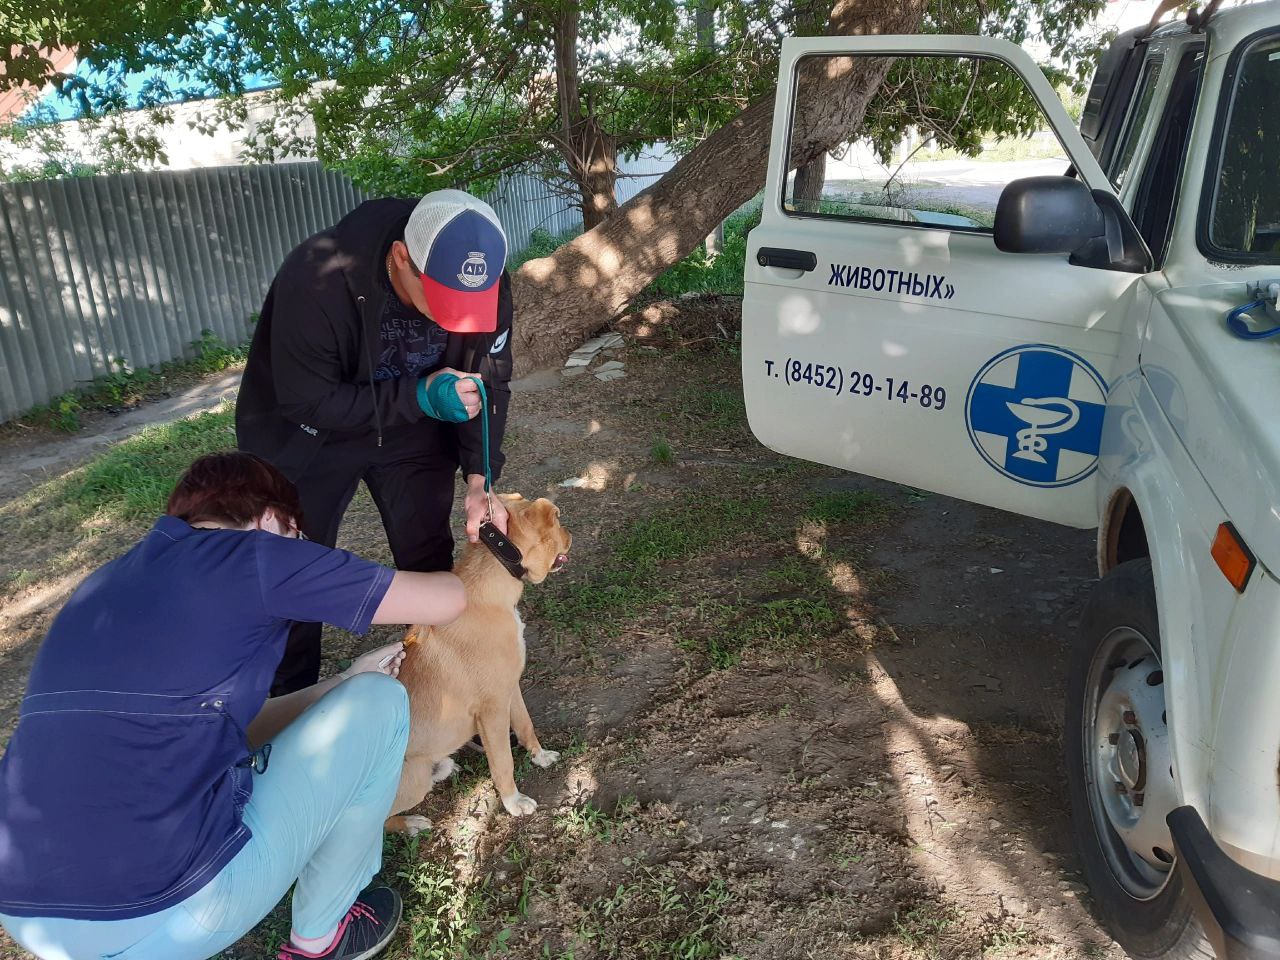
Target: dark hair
{"points": [[234, 488]]}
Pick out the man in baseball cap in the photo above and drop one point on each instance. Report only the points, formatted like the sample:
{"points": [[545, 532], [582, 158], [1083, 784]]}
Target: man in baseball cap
{"points": [[356, 373], [457, 248]]}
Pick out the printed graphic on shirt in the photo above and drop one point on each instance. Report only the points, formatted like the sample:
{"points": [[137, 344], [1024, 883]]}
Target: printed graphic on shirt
{"points": [[411, 345]]}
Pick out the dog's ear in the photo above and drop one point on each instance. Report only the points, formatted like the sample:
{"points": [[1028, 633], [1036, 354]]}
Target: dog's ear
{"points": [[545, 514], [515, 504]]}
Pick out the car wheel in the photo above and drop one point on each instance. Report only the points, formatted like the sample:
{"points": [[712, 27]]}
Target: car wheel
{"points": [[1119, 771]]}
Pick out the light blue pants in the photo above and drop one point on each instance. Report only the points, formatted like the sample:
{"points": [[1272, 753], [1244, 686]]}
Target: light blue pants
{"points": [[316, 816]]}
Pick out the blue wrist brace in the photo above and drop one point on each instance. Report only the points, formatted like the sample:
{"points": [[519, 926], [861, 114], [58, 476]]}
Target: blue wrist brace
{"points": [[439, 398]]}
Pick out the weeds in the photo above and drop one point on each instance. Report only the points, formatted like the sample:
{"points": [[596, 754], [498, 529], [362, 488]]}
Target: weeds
{"points": [[133, 479], [662, 453], [848, 506], [589, 820], [628, 580], [440, 915], [213, 355], [1008, 939], [924, 929], [63, 413], [126, 386], [656, 916]]}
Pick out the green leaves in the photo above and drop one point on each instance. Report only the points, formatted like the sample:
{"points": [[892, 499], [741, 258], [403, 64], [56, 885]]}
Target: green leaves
{"points": [[410, 96]]}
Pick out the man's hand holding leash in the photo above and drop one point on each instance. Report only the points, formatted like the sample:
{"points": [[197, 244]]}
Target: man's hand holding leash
{"points": [[478, 506]]}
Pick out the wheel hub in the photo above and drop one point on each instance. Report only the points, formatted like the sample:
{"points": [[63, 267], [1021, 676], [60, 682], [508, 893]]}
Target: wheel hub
{"points": [[1131, 759], [1130, 776]]}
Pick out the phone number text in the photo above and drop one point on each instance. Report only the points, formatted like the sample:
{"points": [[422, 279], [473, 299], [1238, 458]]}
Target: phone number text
{"points": [[856, 383]]}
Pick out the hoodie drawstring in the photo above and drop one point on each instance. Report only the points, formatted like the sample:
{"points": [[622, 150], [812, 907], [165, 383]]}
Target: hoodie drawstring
{"points": [[368, 355]]}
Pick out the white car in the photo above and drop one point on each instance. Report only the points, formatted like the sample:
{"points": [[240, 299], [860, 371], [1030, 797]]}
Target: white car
{"points": [[1086, 346]]}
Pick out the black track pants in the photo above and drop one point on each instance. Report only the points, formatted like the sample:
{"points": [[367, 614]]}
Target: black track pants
{"points": [[412, 479]]}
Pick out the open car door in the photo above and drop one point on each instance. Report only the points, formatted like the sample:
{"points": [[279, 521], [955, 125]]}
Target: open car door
{"points": [[885, 333]]}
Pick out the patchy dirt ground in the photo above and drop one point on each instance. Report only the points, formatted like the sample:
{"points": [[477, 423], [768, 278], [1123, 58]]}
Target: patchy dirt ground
{"points": [[802, 713], [30, 455]]}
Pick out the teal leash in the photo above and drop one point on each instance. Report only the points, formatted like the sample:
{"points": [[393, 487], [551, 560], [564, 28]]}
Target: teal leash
{"points": [[484, 434], [499, 544]]}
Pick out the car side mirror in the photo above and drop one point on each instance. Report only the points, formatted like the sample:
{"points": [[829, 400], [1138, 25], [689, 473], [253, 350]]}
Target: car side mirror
{"points": [[1061, 215], [1046, 215]]}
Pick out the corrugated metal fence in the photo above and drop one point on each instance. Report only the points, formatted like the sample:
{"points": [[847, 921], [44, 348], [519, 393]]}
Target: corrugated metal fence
{"points": [[138, 265], [525, 204]]}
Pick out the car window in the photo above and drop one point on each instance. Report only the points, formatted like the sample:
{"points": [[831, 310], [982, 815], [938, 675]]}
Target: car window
{"points": [[1245, 215], [1137, 120], [972, 127], [1156, 200]]}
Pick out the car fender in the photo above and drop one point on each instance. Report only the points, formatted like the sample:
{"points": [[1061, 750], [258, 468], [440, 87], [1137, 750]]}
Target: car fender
{"points": [[1143, 459]]}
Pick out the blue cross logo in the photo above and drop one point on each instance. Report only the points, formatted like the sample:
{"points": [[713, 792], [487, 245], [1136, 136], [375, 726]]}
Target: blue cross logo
{"points": [[1035, 414]]}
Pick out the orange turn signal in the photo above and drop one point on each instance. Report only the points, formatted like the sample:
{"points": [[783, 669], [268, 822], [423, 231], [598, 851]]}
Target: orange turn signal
{"points": [[1233, 558]]}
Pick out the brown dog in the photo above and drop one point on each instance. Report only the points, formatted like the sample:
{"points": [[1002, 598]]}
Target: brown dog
{"points": [[464, 678]]}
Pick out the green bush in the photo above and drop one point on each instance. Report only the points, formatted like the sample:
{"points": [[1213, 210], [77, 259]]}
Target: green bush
{"points": [[698, 274], [542, 243]]}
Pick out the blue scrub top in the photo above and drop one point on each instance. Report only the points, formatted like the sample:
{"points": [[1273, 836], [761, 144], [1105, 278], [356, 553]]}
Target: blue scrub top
{"points": [[122, 789]]}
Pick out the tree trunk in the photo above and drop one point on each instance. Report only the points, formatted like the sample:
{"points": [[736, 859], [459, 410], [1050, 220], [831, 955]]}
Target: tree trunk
{"points": [[598, 173], [589, 152], [705, 28], [564, 297], [810, 179]]}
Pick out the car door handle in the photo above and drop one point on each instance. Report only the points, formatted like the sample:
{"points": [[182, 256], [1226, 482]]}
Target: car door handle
{"points": [[782, 257]]}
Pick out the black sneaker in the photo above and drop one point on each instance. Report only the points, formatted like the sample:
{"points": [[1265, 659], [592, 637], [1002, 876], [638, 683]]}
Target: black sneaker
{"points": [[364, 932]]}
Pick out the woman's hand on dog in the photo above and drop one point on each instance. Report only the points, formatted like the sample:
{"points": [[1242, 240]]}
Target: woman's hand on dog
{"points": [[383, 660], [476, 506]]}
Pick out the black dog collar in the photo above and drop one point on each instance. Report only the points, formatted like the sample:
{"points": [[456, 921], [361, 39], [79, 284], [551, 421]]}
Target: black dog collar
{"points": [[506, 552]]}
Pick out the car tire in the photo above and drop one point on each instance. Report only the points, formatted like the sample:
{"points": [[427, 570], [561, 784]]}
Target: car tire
{"points": [[1143, 904]]}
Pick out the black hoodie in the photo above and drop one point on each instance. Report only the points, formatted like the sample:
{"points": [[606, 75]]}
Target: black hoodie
{"points": [[309, 370]]}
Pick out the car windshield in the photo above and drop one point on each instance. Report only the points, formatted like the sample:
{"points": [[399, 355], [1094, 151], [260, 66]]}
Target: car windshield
{"points": [[1245, 220]]}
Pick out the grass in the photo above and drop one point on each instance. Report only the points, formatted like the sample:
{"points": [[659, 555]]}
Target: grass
{"points": [[924, 930], [707, 414], [635, 576], [132, 480], [126, 386], [726, 630], [848, 506], [591, 821], [659, 915], [443, 918], [661, 453], [628, 581]]}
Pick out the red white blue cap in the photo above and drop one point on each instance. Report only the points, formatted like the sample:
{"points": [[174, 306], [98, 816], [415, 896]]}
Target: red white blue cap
{"points": [[459, 246]]}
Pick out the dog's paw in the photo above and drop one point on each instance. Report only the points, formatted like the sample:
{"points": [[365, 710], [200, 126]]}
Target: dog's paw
{"points": [[518, 805], [443, 769], [545, 758], [415, 825]]}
